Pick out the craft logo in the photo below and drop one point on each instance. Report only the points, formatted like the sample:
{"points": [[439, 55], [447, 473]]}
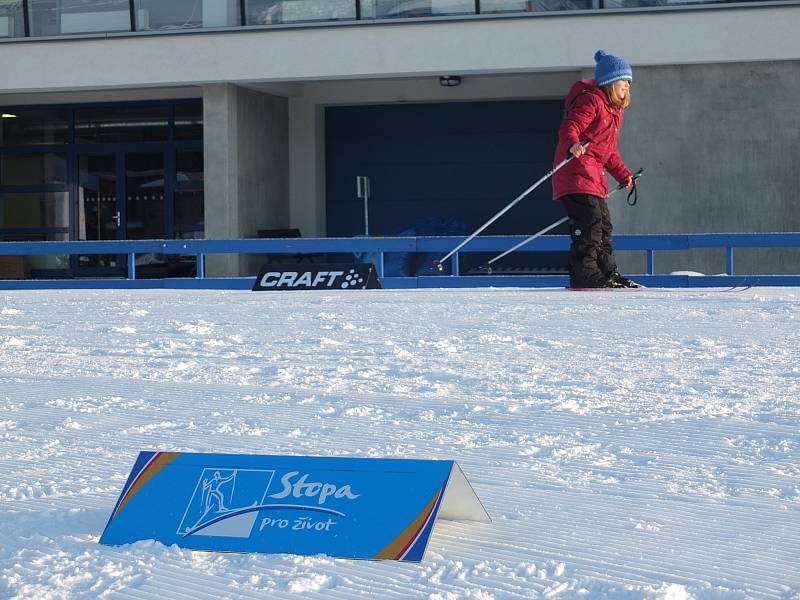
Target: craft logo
{"points": [[226, 503], [307, 279], [329, 277]]}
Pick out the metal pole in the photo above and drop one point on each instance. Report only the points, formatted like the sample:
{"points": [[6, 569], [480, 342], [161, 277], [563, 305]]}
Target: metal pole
{"points": [[438, 263], [366, 209], [362, 191], [525, 241], [26, 18]]}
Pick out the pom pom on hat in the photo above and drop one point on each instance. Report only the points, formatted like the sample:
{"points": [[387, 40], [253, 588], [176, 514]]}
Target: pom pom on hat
{"points": [[610, 68]]}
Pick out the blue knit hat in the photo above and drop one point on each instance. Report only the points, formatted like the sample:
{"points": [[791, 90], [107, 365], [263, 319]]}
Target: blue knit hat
{"points": [[610, 68]]}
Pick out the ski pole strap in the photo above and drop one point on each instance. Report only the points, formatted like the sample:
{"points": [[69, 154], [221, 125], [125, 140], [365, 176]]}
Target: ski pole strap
{"points": [[633, 195]]}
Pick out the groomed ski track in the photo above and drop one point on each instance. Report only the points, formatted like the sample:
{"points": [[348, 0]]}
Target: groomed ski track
{"points": [[626, 445]]}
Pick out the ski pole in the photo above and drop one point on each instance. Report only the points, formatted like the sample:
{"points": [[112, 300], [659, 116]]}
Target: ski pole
{"points": [[438, 263], [488, 265]]}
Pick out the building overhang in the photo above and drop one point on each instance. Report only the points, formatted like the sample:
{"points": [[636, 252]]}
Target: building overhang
{"points": [[540, 43]]}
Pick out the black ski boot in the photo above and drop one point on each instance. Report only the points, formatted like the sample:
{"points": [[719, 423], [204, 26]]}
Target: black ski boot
{"points": [[623, 282], [594, 284]]}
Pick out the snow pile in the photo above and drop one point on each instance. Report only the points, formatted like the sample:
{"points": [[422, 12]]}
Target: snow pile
{"points": [[627, 445]]}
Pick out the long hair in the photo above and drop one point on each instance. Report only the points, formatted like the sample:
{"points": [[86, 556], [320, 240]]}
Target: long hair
{"points": [[618, 102]]}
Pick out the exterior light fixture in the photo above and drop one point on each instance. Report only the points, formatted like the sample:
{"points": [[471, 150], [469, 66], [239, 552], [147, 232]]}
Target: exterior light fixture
{"points": [[449, 80], [8, 116]]}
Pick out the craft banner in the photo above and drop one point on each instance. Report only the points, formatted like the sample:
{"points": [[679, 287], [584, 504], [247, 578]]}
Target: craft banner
{"points": [[342, 507], [329, 276]]}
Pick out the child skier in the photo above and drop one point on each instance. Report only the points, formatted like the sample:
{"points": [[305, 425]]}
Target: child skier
{"points": [[594, 109]]}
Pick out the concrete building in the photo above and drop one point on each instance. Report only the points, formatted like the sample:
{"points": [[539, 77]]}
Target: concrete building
{"points": [[147, 119]]}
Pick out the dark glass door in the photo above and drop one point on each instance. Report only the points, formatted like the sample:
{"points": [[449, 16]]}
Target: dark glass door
{"points": [[121, 195], [146, 215], [145, 196], [98, 212]]}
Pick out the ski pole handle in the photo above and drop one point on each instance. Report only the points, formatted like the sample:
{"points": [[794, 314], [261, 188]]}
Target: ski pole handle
{"points": [[634, 177], [583, 145], [633, 193]]}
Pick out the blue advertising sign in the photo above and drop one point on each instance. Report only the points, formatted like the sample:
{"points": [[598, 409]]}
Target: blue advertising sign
{"points": [[342, 507]]}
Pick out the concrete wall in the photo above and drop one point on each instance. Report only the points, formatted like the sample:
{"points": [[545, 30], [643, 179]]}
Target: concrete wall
{"points": [[246, 147], [307, 167], [720, 147]]}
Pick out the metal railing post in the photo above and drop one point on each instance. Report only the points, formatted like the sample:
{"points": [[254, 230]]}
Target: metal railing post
{"points": [[650, 262], [201, 265], [729, 260], [379, 266], [131, 265]]}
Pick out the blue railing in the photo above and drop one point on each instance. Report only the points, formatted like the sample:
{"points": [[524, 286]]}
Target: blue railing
{"points": [[379, 247]]}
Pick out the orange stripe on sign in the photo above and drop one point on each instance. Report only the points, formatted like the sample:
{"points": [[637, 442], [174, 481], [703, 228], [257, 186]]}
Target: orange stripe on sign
{"points": [[161, 460], [403, 541]]}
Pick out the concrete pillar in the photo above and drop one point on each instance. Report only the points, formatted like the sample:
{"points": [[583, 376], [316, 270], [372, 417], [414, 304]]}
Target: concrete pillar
{"points": [[307, 167], [719, 147], [246, 147]]}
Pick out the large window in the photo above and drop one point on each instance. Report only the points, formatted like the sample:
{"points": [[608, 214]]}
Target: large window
{"points": [[27, 127], [12, 19], [114, 124], [267, 12], [189, 164], [65, 17], [189, 214], [33, 169], [189, 121], [383, 9], [186, 14], [144, 200], [57, 17], [38, 217], [501, 6], [101, 172], [34, 210], [34, 196]]}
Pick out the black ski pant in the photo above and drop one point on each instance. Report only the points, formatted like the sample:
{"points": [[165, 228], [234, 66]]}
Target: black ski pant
{"points": [[591, 254]]}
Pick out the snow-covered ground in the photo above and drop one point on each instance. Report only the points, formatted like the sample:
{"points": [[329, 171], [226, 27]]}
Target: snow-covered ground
{"points": [[627, 445]]}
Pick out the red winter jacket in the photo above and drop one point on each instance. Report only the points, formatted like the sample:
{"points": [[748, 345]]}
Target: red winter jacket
{"points": [[589, 116]]}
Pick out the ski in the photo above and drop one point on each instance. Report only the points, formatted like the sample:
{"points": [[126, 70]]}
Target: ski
{"points": [[641, 288]]}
